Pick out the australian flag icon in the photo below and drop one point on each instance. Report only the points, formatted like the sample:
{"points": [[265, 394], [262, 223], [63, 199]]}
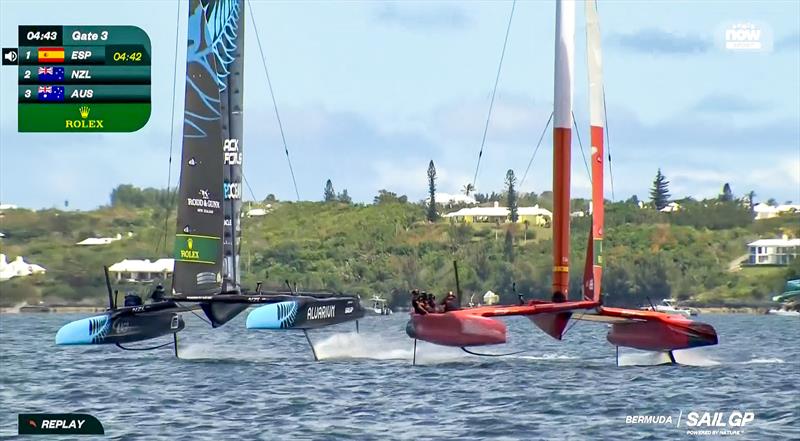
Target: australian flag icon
{"points": [[51, 74], [51, 93]]}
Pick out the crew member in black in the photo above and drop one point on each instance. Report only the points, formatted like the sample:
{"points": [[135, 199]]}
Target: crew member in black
{"points": [[132, 299], [431, 302], [418, 303], [450, 303], [158, 294]]}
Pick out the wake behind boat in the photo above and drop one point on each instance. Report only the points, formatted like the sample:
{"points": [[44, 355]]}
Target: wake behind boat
{"points": [[208, 233], [644, 330]]}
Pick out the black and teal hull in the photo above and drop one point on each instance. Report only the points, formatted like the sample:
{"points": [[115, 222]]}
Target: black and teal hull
{"points": [[304, 312], [124, 325]]}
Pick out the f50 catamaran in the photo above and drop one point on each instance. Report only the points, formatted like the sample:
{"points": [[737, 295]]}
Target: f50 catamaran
{"points": [[208, 236], [645, 330]]}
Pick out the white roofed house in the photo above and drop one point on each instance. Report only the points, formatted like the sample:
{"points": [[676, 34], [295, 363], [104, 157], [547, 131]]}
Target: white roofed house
{"points": [[135, 270], [534, 215], [766, 211], [773, 251], [91, 241]]}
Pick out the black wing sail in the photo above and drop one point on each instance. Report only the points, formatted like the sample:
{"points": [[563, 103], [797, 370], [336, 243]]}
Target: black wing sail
{"points": [[198, 248]]}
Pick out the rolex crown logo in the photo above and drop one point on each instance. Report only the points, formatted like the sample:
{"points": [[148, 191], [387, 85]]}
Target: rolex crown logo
{"points": [[189, 243], [84, 111]]}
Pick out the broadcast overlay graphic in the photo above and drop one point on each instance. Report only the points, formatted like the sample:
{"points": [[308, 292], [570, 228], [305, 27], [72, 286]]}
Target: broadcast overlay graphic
{"points": [[82, 78]]}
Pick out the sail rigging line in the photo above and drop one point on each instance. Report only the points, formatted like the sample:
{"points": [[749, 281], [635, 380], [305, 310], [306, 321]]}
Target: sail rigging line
{"points": [[538, 144], [580, 145], [608, 144], [171, 135], [494, 92], [274, 102]]}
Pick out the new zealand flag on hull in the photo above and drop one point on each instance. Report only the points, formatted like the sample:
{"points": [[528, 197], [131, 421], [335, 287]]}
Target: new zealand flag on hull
{"points": [[51, 74], [51, 93]]}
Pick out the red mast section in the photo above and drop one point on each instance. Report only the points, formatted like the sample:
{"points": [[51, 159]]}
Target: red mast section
{"points": [[562, 142]]}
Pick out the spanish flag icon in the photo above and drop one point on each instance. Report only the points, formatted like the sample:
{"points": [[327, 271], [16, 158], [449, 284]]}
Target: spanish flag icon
{"points": [[51, 55]]}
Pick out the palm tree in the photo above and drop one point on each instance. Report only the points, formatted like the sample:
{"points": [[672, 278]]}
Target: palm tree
{"points": [[467, 189]]}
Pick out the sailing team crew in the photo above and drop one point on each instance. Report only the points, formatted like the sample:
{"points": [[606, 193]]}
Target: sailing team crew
{"points": [[425, 303]]}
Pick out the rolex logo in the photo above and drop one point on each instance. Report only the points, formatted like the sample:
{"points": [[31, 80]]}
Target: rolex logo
{"points": [[84, 122]]}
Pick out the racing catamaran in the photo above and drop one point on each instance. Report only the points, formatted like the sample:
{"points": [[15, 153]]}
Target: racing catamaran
{"points": [[208, 238], [644, 330]]}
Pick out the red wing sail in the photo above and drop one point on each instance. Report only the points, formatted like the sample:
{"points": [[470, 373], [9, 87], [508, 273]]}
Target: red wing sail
{"points": [[594, 253]]}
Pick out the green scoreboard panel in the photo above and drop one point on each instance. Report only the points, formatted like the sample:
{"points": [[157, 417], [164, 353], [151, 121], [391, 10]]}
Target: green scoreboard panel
{"points": [[83, 79]]}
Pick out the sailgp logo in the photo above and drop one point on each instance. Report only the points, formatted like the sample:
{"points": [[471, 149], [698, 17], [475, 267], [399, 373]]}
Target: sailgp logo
{"points": [[321, 312], [700, 423]]}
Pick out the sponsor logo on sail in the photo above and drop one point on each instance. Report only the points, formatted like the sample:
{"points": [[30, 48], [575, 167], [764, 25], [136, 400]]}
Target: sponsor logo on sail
{"points": [[204, 204], [84, 122], [190, 253], [232, 190], [231, 153], [206, 278]]}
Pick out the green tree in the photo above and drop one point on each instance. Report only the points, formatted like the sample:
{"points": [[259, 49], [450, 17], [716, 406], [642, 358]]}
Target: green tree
{"points": [[659, 193], [509, 245], [511, 196], [388, 197], [467, 189], [750, 198], [344, 197], [727, 193], [431, 214], [330, 194]]}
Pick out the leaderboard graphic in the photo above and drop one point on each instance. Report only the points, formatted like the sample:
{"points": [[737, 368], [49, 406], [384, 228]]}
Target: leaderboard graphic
{"points": [[82, 78]]}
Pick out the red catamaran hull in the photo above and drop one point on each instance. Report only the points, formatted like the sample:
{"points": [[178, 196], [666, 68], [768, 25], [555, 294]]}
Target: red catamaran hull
{"points": [[457, 328], [655, 331], [645, 330]]}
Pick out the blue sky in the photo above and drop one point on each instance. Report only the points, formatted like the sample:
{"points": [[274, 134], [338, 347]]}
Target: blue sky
{"points": [[369, 92]]}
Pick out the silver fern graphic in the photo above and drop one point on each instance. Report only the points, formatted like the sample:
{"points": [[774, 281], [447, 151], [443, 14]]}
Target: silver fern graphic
{"points": [[212, 45]]}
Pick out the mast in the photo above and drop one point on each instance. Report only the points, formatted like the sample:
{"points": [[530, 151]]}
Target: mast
{"points": [[232, 125], [562, 137], [594, 254], [198, 252]]}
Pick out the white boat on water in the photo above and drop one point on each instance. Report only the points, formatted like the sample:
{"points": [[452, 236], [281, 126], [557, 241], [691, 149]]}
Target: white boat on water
{"points": [[784, 312], [669, 306], [380, 306]]}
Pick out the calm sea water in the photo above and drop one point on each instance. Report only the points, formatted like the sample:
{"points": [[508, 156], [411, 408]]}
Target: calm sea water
{"points": [[231, 383]]}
